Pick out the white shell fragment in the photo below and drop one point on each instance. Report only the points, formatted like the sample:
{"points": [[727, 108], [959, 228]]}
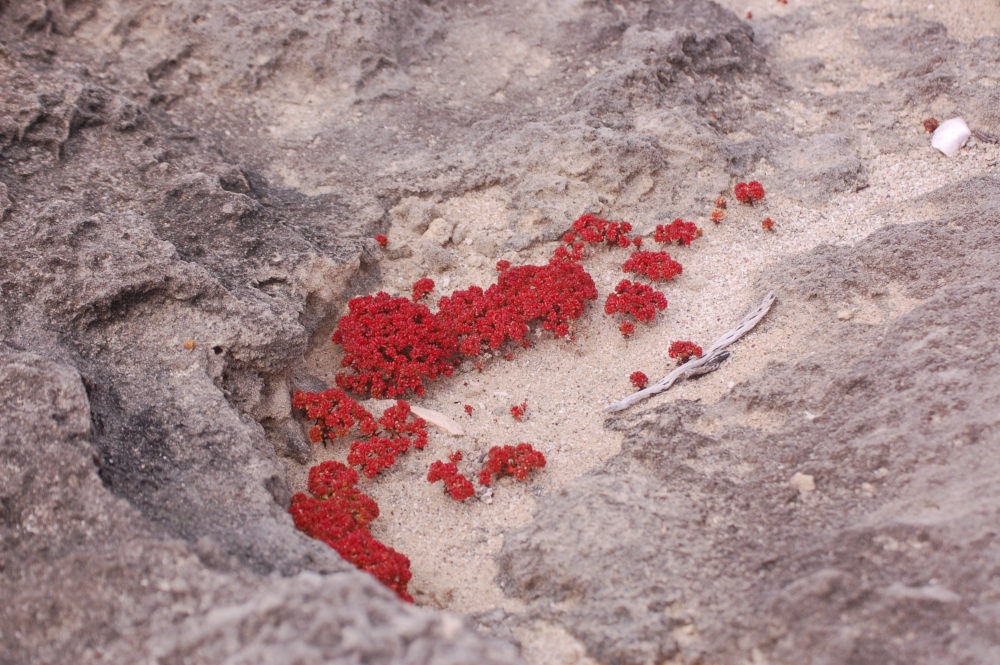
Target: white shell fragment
{"points": [[950, 136], [438, 419]]}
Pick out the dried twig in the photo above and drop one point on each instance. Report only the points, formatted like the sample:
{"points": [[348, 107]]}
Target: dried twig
{"points": [[708, 362]]}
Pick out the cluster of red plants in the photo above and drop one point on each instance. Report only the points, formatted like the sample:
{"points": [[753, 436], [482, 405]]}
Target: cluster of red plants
{"points": [[517, 461], [422, 287], [517, 411], [335, 414], [677, 230], [638, 379], [748, 192], [339, 514], [767, 224], [391, 435], [635, 299], [395, 345], [380, 452], [456, 484], [683, 350], [657, 266], [592, 229]]}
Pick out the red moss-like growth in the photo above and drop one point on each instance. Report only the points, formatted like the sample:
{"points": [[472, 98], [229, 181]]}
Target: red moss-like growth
{"points": [[635, 299], [338, 514], [517, 461], [468, 409], [684, 350], [393, 345], [717, 215], [593, 229], [749, 192], [518, 411], [767, 224], [720, 203], [677, 230], [422, 287], [381, 240], [380, 452], [335, 414], [639, 380], [456, 484], [626, 328], [658, 266]]}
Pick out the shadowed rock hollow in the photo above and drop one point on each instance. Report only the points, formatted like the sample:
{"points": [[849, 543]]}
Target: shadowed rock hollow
{"points": [[215, 172]]}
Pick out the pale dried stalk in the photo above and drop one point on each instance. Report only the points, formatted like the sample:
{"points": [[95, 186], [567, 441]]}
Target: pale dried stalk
{"points": [[708, 362]]}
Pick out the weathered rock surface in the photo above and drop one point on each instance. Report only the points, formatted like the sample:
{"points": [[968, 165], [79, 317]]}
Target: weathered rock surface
{"points": [[215, 171]]}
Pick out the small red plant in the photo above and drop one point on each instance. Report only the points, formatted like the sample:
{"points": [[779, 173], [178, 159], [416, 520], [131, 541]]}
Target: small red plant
{"points": [[335, 414], [717, 215], [683, 351], [422, 287], [639, 380], [749, 192], [636, 299], [767, 224], [380, 452], [679, 230], [518, 411], [381, 240], [456, 484], [338, 514], [720, 203], [393, 345], [517, 461], [468, 409], [626, 328], [658, 266], [593, 229]]}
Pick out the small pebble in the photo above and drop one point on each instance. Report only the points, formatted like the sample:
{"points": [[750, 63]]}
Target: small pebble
{"points": [[803, 482], [845, 315], [189, 344]]}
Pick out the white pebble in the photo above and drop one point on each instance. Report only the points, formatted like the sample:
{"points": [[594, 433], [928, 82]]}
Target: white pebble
{"points": [[950, 136]]}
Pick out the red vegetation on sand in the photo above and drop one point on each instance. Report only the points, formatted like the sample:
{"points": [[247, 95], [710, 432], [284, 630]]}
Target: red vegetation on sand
{"points": [[636, 299], [338, 514], [658, 266], [517, 461]]}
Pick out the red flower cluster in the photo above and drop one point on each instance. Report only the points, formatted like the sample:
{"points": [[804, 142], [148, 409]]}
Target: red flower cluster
{"points": [[637, 299], [717, 215], [381, 240], [457, 485], [339, 514], [626, 328], [335, 414], [683, 350], [518, 410], [553, 293], [393, 345], [767, 224], [658, 266], [638, 379], [720, 202], [749, 192], [679, 230], [592, 229], [380, 452], [562, 253], [517, 461], [422, 287]]}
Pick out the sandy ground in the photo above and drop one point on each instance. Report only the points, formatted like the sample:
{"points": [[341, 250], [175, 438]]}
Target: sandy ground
{"points": [[567, 382]]}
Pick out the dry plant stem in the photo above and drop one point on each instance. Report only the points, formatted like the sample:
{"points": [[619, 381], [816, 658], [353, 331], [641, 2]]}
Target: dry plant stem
{"points": [[710, 361]]}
